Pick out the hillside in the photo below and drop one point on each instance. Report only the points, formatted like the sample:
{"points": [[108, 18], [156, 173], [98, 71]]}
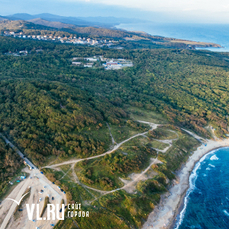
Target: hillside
{"points": [[134, 39], [10, 163], [112, 140], [19, 25], [55, 24], [78, 21], [152, 82]]}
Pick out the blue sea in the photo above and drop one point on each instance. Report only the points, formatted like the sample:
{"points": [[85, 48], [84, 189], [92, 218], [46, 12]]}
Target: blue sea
{"points": [[206, 205], [215, 33]]}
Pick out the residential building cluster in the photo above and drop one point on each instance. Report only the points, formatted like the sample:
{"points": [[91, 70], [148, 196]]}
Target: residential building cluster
{"points": [[115, 64], [71, 39], [86, 62], [107, 63]]}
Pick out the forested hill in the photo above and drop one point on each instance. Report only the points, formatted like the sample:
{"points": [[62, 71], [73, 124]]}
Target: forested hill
{"points": [[10, 163], [42, 95], [55, 111], [40, 26]]}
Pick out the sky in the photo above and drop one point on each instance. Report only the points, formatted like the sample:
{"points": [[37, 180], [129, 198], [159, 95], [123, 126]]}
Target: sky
{"points": [[193, 11]]}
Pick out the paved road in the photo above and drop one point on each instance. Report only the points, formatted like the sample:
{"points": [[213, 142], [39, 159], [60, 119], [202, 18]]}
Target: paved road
{"points": [[14, 205], [19, 152], [34, 172]]}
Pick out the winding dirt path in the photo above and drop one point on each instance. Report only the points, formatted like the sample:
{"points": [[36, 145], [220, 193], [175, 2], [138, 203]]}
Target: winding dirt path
{"points": [[129, 186], [74, 161], [202, 140], [169, 141]]}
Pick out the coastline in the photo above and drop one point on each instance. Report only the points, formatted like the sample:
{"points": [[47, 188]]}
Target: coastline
{"points": [[166, 32], [171, 204]]}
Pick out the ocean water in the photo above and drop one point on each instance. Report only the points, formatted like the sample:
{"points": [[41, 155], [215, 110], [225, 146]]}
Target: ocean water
{"points": [[215, 33], [206, 205]]}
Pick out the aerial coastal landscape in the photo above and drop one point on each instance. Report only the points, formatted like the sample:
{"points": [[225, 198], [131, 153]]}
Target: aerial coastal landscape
{"points": [[114, 115]]}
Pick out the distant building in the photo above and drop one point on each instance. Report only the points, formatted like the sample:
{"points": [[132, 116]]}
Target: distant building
{"points": [[23, 52], [88, 65], [77, 63], [91, 59]]}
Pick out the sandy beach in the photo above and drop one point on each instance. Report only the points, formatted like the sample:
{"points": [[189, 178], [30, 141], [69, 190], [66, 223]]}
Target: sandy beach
{"points": [[170, 205]]}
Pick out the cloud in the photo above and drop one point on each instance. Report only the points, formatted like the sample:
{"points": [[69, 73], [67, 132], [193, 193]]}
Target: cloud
{"points": [[200, 11], [166, 5]]}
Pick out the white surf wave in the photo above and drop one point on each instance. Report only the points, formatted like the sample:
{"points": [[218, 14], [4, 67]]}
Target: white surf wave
{"points": [[192, 180], [214, 158], [225, 212]]}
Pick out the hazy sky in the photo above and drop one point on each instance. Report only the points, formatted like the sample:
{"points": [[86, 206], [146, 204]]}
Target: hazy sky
{"points": [[155, 10], [168, 5]]}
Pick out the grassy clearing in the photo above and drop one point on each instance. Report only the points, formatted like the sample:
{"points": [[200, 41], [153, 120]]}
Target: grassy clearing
{"points": [[94, 193], [121, 133], [158, 145], [104, 173], [97, 174], [130, 128], [133, 142], [162, 133], [65, 168], [122, 209], [132, 208], [180, 151], [100, 217], [143, 141], [146, 115], [85, 194]]}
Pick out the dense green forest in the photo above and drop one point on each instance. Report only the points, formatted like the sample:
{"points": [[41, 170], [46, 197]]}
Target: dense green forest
{"points": [[52, 119], [10, 162], [189, 87], [52, 109]]}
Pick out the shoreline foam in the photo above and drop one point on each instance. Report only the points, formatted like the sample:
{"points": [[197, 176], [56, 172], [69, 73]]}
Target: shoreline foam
{"points": [[172, 203]]}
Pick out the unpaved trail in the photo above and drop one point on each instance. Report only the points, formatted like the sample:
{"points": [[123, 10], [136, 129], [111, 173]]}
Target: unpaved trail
{"points": [[202, 140], [168, 141], [112, 138], [130, 186], [65, 173], [76, 179], [152, 125]]}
